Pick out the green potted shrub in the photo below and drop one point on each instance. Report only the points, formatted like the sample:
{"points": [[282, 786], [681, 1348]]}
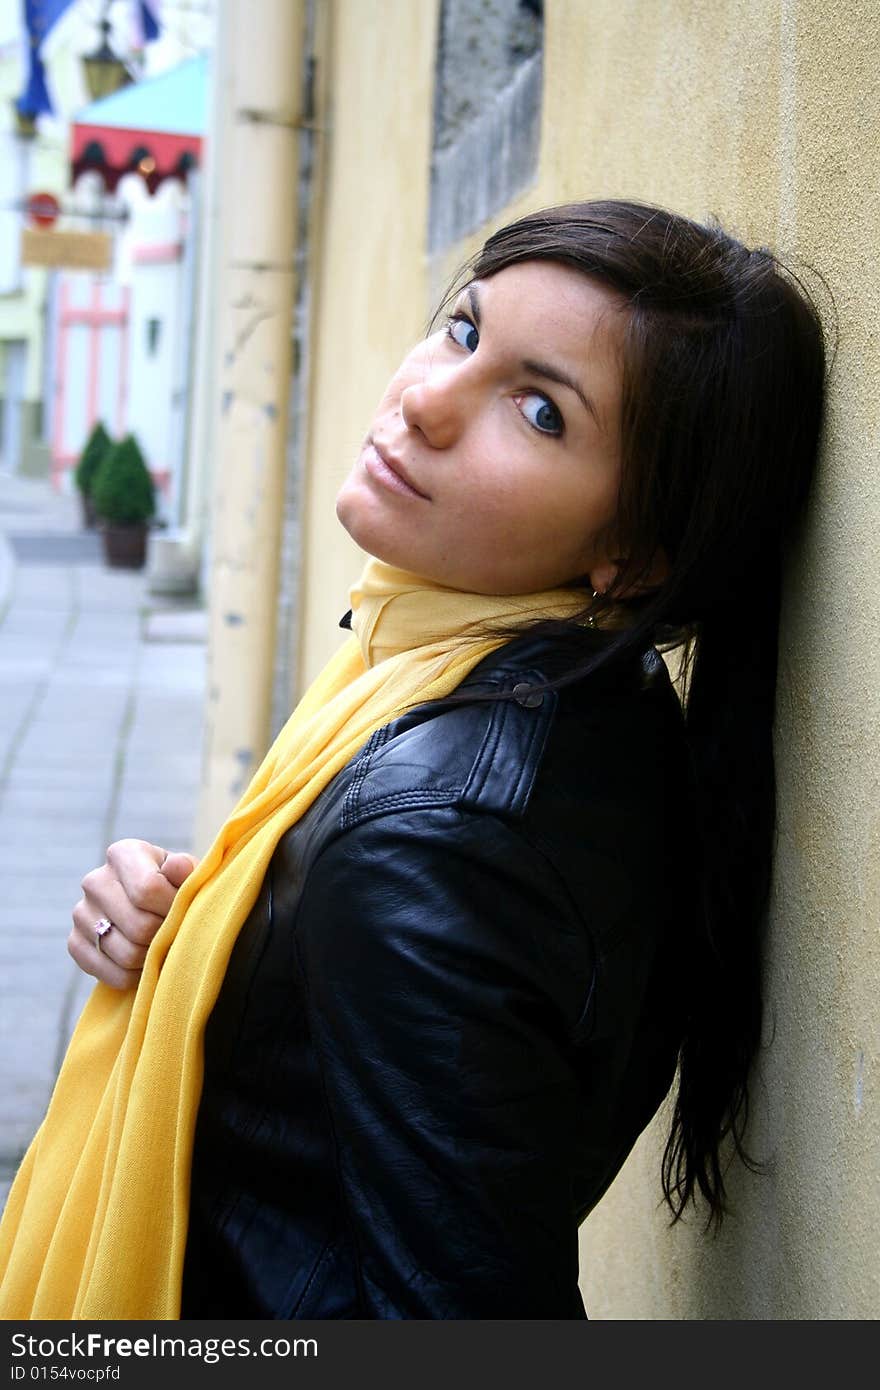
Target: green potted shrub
{"points": [[96, 447], [125, 499]]}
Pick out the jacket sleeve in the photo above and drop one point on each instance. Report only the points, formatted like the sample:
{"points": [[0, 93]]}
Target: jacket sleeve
{"points": [[447, 972]]}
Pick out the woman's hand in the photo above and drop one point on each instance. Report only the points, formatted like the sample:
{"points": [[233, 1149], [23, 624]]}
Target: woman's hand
{"points": [[133, 891]]}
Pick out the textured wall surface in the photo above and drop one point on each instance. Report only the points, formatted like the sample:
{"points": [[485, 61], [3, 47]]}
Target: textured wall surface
{"points": [[765, 113], [488, 86]]}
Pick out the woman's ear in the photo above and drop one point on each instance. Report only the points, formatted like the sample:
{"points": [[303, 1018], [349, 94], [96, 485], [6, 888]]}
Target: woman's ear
{"points": [[603, 575]]}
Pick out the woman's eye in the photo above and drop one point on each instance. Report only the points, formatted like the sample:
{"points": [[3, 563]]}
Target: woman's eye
{"points": [[541, 414], [463, 332]]}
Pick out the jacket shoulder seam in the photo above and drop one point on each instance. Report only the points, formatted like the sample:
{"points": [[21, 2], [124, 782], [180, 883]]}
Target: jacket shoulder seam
{"points": [[478, 786], [377, 738]]}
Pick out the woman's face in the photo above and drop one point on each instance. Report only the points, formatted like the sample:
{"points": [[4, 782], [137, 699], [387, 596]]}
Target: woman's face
{"points": [[493, 460]]}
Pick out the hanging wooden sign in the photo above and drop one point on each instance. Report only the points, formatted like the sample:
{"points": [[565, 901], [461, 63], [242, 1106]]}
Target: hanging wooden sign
{"points": [[66, 250]]}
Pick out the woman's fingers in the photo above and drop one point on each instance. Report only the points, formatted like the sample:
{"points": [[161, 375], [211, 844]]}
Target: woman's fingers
{"points": [[107, 897], [82, 947], [177, 867], [133, 891], [115, 944], [133, 863]]}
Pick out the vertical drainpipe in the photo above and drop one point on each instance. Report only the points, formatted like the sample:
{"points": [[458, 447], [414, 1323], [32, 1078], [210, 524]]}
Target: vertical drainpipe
{"points": [[308, 213], [260, 65]]}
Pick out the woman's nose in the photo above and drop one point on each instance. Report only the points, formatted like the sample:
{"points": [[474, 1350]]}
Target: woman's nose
{"points": [[436, 407]]}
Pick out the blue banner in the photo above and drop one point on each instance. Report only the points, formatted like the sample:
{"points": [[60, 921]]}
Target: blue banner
{"points": [[39, 16], [149, 19]]}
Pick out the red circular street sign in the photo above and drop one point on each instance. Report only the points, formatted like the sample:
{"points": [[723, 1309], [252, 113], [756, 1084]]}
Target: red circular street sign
{"points": [[43, 208]]}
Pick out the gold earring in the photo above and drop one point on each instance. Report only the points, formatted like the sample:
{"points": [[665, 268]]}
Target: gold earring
{"points": [[591, 621]]}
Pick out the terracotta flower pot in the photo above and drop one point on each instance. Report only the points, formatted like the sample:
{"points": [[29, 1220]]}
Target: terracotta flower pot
{"points": [[125, 547]]}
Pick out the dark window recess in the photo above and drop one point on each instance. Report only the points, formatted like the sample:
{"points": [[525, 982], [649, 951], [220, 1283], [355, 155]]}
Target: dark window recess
{"points": [[154, 333], [487, 111]]}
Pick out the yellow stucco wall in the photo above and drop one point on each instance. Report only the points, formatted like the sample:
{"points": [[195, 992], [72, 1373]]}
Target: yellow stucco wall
{"points": [[764, 112]]}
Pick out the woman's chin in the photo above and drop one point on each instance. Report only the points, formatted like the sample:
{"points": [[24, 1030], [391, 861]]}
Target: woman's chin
{"points": [[349, 515], [367, 537]]}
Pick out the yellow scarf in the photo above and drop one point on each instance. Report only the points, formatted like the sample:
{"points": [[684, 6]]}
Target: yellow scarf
{"points": [[96, 1222]]}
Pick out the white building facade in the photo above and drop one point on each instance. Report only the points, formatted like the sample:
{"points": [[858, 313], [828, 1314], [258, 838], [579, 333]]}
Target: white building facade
{"points": [[77, 346]]}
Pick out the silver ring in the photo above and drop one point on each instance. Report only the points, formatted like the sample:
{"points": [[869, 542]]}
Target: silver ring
{"points": [[102, 926]]}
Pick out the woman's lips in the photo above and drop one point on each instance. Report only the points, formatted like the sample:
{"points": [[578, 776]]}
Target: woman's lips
{"points": [[379, 468]]}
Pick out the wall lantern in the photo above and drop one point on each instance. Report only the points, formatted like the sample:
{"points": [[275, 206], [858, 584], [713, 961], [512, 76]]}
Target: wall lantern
{"points": [[105, 72]]}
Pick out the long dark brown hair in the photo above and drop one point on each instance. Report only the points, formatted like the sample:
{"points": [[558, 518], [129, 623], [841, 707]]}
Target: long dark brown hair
{"points": [[723, 374]]}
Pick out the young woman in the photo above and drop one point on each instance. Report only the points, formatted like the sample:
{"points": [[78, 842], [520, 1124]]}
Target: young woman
{"points": [[496, 887]]}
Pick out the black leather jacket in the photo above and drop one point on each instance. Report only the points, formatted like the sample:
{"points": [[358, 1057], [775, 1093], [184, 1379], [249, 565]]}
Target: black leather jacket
{"points": [[451, 1011]]}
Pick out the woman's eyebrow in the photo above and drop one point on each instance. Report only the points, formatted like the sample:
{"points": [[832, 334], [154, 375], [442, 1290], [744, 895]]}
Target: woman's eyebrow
{"points": [[539, 368], [556, 374]]}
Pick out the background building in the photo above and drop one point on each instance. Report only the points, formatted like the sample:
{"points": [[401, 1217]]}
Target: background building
{"points": [[77, 345], [123, 340]]}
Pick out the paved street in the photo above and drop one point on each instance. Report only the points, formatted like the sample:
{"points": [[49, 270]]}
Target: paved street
{"points": [[101, 691]]}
